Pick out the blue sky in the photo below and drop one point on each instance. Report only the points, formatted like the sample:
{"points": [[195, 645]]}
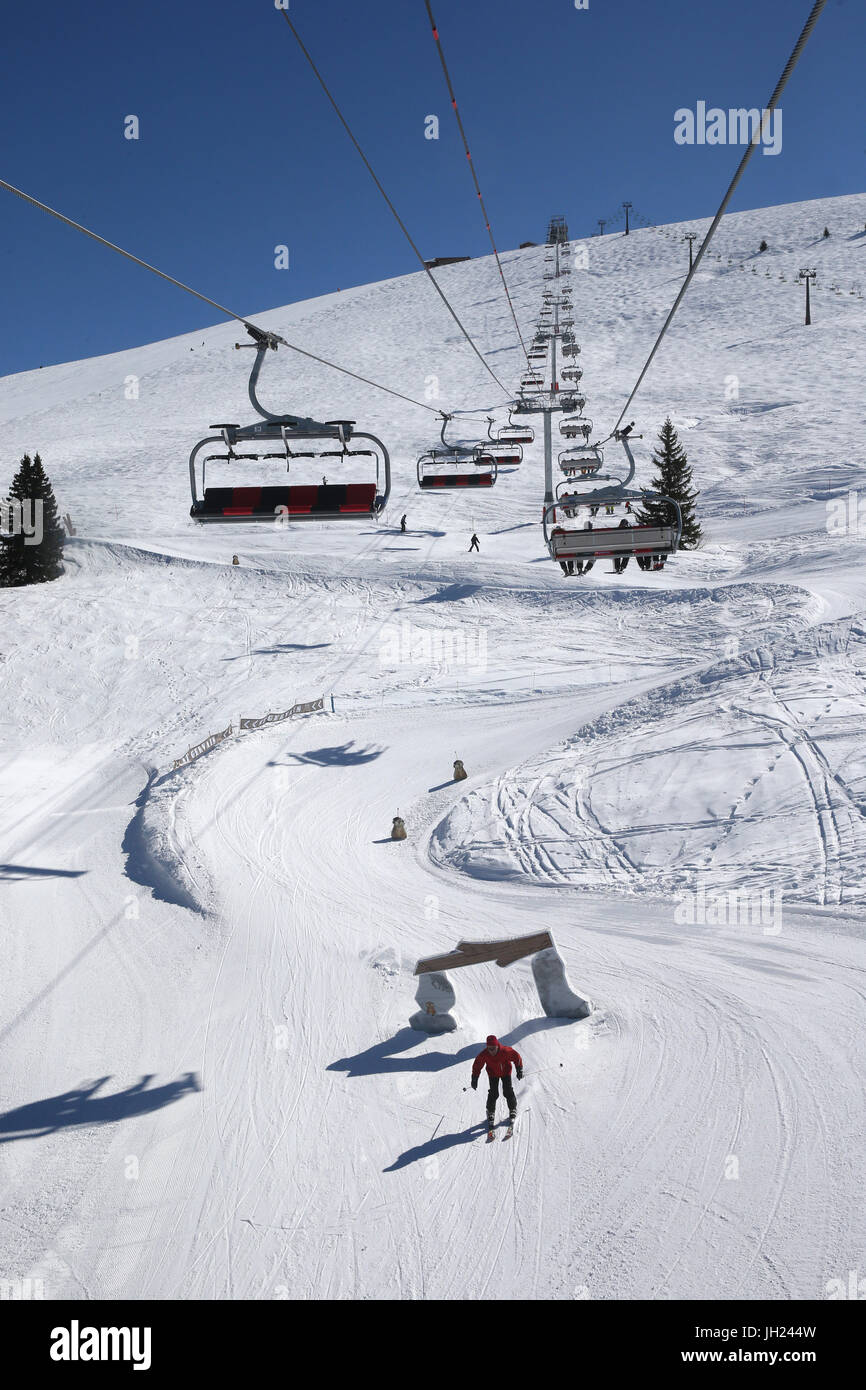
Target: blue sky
{"points": [[567, 112]]}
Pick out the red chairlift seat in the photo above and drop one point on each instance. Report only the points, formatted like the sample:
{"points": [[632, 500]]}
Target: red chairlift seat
{"points": [[295, 502]]}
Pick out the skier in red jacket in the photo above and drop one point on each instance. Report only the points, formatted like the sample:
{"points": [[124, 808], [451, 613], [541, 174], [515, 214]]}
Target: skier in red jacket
{"points": [[498, 1060]]}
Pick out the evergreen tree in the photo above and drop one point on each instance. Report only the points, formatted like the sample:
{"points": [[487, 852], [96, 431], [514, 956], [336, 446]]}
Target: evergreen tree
{"points": [[673, 479], [33, 509]]}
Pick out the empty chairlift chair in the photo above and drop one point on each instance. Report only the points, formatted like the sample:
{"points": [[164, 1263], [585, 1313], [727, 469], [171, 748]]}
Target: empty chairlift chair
{"points": [[456, 465], [506, 450], [515, 434], [360, 461]]}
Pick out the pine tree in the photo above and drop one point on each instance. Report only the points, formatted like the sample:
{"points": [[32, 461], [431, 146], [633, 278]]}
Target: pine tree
{"points": [[673, 479], [34, 511]]}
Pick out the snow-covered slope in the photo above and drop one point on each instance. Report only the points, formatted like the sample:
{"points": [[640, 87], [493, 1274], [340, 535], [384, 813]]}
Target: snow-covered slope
{"points": [[209, 1085]]}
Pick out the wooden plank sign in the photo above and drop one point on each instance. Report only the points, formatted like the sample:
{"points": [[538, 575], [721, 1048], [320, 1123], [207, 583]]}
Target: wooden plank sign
{"points": [[475, 952]]}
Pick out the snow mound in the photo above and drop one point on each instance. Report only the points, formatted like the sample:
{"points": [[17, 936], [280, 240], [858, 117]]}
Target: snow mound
{"points": [[751, 774]]}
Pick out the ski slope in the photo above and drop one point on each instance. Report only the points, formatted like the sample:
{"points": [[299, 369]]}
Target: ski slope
{"points": [[209, 1086]]}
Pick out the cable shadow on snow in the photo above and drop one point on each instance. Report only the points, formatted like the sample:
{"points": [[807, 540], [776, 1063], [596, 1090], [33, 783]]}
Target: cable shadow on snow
{"points": [[415, 531], [14, 872], [279, 650], [83, 1107]]}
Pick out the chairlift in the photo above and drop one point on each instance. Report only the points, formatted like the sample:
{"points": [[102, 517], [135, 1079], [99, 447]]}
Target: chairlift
{"points": [[506, 446], [529, 405], [574, 426], [649, 544], [336, 444], [456, 465], [582, 461], [571, 373], [515, 434]]}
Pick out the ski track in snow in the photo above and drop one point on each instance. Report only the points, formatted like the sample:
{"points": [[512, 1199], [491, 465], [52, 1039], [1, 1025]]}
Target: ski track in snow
{"points": [[697, 1137]]}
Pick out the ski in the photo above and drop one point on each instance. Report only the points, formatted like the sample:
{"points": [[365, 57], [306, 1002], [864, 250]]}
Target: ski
{"points": [[508, 1133], [491, 1134]]}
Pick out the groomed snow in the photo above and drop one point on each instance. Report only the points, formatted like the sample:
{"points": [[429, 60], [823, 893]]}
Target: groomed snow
{"points": [[210, 1085]]}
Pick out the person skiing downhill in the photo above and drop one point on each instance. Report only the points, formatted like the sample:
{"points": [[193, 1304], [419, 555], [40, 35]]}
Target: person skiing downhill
{"points": [[498, 1060]]}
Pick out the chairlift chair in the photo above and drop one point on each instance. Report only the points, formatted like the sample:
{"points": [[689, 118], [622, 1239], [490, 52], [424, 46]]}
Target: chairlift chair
{"points": [[506, 445], [436, 472], [298, 441], [581, 461], [528, 405], [575, 426], [649, 544], [456, 465], [515, 434]]}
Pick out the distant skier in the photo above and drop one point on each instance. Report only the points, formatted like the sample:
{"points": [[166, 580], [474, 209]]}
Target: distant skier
{"points": [[403, 523], [473, 544], [498, 1061]]}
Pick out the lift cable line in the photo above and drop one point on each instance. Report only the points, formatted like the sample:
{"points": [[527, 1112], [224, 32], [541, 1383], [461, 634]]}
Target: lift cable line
{"points": [[398, 219], [474, 175], [230, 313], [818, 6], [272, 339]]}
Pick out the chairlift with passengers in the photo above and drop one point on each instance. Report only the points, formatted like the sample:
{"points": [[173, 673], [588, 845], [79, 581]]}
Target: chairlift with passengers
{"points": [[649, 544]]}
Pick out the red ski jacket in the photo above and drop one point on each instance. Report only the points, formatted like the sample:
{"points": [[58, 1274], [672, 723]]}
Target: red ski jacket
{"points": [[499, 1064]]}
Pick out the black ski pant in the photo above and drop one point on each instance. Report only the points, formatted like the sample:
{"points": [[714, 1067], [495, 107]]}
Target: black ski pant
{"points": [[507, 1093]]}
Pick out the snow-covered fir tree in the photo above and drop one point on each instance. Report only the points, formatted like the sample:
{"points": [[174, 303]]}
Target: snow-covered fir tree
{"points": [[31, 551], [673, 479]]}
